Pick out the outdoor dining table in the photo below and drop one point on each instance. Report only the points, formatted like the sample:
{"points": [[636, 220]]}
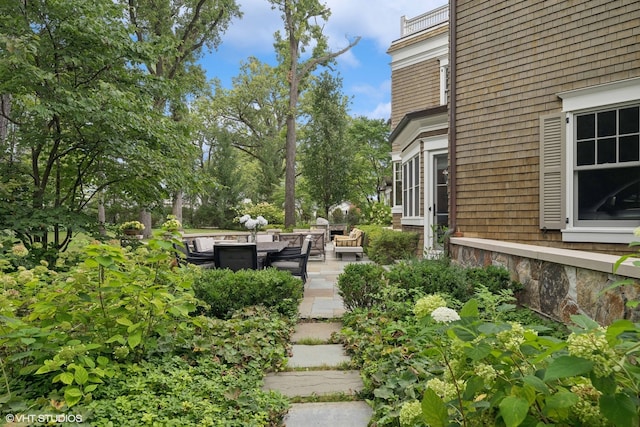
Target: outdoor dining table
{"points": [[265, 248]]}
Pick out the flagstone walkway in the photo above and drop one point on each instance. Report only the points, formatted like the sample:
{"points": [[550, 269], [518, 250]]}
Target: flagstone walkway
{"points": [[318, 368]]}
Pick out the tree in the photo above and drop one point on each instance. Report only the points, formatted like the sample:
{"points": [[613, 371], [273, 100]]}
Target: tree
{"points": [[326, 155], [179, 30], [301, 30], [82, 116], [371, 160], [254, 112]]}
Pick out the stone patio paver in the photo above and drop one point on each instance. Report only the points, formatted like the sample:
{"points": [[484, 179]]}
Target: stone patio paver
{"points": [[310, 383], [314, 356], [315, 330], [333, 414]]}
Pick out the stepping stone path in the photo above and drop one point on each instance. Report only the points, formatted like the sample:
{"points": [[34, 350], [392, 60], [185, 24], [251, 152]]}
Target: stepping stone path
{"points": [[315, 368]]}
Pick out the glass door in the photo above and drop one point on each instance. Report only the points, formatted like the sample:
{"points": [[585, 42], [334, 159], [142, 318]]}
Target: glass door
{"points": [[438, 218]]}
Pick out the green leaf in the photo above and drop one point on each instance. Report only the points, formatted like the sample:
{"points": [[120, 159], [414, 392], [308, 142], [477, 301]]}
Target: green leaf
{"points": [[562, 399], [434, 411], [567, 366], [72, 396], [81, 375], [124, 321], [618, 327], [470, 309], [513, 410], [66, 378], [116, 338], [605, 385], [90, 388], [536, 383], [102, 361], [584, 322], [134, 340], [619, 409], [477, 352]]}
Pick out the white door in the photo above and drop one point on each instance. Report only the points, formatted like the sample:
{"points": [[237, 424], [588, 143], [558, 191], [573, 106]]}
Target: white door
{"points": [[437, 199]]}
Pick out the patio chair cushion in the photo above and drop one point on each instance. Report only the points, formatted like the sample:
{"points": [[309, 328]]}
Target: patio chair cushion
{"points": [[353, 239]]}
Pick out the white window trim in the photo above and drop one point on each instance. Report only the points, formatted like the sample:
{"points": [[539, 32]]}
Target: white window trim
{"points": [[444, 71], [580, 100], [396, 161]]}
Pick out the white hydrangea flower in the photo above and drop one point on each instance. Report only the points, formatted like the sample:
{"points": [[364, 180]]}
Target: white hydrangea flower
{"points": [[251, 223], [244, 218], [444, 315], [262, 221], [425, 305], [636, 232]]}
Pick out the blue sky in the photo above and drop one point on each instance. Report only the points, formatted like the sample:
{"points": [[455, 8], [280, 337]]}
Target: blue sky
{"points": [[365, 69]]}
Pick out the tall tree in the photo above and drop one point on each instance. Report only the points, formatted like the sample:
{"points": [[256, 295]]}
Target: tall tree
{"points": [[82, 115], [254, 112], [301, 30], [179, 30], [370, 160], [326, 156]]}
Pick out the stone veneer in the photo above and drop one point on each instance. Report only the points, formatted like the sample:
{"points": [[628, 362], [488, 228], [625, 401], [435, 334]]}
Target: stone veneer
{"points": [[557, 282]]}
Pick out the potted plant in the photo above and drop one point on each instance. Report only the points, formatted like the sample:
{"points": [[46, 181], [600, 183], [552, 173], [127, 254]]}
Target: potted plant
{"points": [[132, 228]]}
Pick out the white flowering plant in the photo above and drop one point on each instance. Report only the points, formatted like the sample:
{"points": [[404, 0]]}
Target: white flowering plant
{"points": [[472, 365], [507, 370]]}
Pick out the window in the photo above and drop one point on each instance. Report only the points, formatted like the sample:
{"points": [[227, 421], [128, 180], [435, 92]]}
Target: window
{"points": [[607, 167], [590, 164], [411, 187], [397, 184]]}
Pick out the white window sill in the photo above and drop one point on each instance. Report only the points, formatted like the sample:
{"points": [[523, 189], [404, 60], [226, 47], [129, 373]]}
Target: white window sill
{"points": [[412, 221], [396, 209], [598, 235]]}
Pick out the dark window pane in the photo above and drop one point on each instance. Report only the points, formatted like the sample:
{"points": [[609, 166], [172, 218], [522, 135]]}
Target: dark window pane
{"points": [[586, 126], [629, 120], [629, 148], [586, 153], [606, 151], [609, 194], [607, 123]]}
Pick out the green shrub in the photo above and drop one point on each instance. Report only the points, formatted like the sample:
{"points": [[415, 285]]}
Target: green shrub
{"points": [[268, 211], [494, 278], [371, 232], [359, 284], [226, 291], [391, 245], [380, 214], [436, 276]]}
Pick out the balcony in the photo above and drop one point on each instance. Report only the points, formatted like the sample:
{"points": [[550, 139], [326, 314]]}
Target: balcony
{"points": [[424, 21]]}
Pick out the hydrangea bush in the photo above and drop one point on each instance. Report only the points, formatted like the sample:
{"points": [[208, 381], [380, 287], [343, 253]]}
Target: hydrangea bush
{"points": [[482, 371]]}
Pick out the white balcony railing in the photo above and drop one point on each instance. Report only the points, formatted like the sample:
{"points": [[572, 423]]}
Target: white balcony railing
{"points": [[424, 21]]}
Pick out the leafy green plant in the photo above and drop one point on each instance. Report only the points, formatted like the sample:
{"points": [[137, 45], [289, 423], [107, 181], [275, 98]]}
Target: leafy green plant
{"points": [[380, 214], [359, 284], [73, 328], [271, 213], [391, 245], [225, 291]]}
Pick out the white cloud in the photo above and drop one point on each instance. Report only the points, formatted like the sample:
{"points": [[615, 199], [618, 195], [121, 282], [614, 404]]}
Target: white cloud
{"points": [[378, 20]]}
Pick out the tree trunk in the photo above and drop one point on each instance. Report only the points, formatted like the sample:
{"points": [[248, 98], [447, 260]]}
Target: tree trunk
{"points": [[176, 210], [102, 216], [145, 218]]}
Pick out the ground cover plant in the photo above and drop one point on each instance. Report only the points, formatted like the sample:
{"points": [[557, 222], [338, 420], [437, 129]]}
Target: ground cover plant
{"points": [[427, 358], [117, 340]]}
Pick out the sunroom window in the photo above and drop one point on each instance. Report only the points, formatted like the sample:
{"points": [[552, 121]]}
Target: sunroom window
{"points": [[411, 187]]}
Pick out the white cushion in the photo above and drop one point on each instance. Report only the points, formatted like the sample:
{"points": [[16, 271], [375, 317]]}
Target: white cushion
{"points": [[203, 244]]}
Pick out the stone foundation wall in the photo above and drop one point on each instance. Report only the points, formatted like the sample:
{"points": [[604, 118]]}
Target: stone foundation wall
{"points": [[557, 289]]}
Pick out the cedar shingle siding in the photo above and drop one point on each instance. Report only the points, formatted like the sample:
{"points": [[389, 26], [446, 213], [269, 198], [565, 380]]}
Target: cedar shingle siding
{"points": [[414, 88], [513, 58]]}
